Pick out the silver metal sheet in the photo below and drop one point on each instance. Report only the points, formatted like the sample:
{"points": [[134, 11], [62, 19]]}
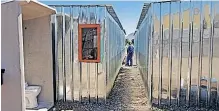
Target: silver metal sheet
{"points": [[183, 48], [79, 81]]}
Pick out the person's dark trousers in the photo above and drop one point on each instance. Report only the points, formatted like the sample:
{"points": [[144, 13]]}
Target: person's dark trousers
{"points": [[129, 59]]}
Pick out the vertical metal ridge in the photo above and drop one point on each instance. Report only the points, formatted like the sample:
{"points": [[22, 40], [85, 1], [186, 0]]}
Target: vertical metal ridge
{"points": [[87, 8], [88, 64], [217, 91], [105, 55], [188, 76], [190, 63], [152, 59], [191, 54], [170, 55], [87, 15], [217, 86], [202, 42], [180, 54], [190, 57], [200, 56], [63, 55], [80, 67], [62, 58], [72, 57], [88, 69], [212, 47], [171, 62], [190, 67], [95, 14], [160, 67], [212, 41], [96, 64], [147, 63], [161, 80], [210, 58], [108, 57], [96, 82], [80, 90], [56, 59], [217, 101], [71, 54]]}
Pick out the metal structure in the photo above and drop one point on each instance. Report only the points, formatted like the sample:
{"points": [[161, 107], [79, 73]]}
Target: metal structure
{"points": [[177, 52], [80, 81]]}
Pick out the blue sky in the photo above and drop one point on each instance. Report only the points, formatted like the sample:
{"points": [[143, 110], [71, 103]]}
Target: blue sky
{"points": [[127, 11]]}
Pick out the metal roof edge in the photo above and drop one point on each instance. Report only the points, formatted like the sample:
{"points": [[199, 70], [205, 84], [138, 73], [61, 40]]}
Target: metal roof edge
{"points": [[143, 13], [93, 5], [109, 9], [112, 12], [166, 1], [145, 9]]}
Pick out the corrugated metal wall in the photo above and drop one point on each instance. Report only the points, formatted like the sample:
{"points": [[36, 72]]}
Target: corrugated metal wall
{"points": [[77, 81], [115, 51], [177, 52]]}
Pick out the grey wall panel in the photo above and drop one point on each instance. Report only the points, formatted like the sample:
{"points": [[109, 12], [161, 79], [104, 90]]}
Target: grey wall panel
{"points": [[184, 48]]}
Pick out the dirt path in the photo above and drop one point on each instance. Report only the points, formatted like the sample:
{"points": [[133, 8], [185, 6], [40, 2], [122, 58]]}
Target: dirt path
{"points": [[129, 92]]}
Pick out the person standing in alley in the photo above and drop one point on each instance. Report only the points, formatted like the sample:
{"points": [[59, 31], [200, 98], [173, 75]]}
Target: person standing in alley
{"points": [[130, 52]]}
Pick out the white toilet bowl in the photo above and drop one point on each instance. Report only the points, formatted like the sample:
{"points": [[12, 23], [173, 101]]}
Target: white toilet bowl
{"points": [[31, 93]]}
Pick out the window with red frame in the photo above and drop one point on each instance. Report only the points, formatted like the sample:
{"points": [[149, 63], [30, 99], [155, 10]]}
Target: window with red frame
{"points": [[89, 43]]}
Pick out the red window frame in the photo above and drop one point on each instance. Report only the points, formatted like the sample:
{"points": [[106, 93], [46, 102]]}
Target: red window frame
{"points": [[80, 27]]}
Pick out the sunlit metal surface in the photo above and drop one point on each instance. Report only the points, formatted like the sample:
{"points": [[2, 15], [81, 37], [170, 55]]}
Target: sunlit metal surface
{"points": [[79, 81], [177, 52]]}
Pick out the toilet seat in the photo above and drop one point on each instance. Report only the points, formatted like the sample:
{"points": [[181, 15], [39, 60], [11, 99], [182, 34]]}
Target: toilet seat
{"points": [[32, 89]]}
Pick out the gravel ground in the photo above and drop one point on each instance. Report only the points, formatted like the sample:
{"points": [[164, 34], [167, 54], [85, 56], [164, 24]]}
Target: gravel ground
{"points": [[127, 94]]}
